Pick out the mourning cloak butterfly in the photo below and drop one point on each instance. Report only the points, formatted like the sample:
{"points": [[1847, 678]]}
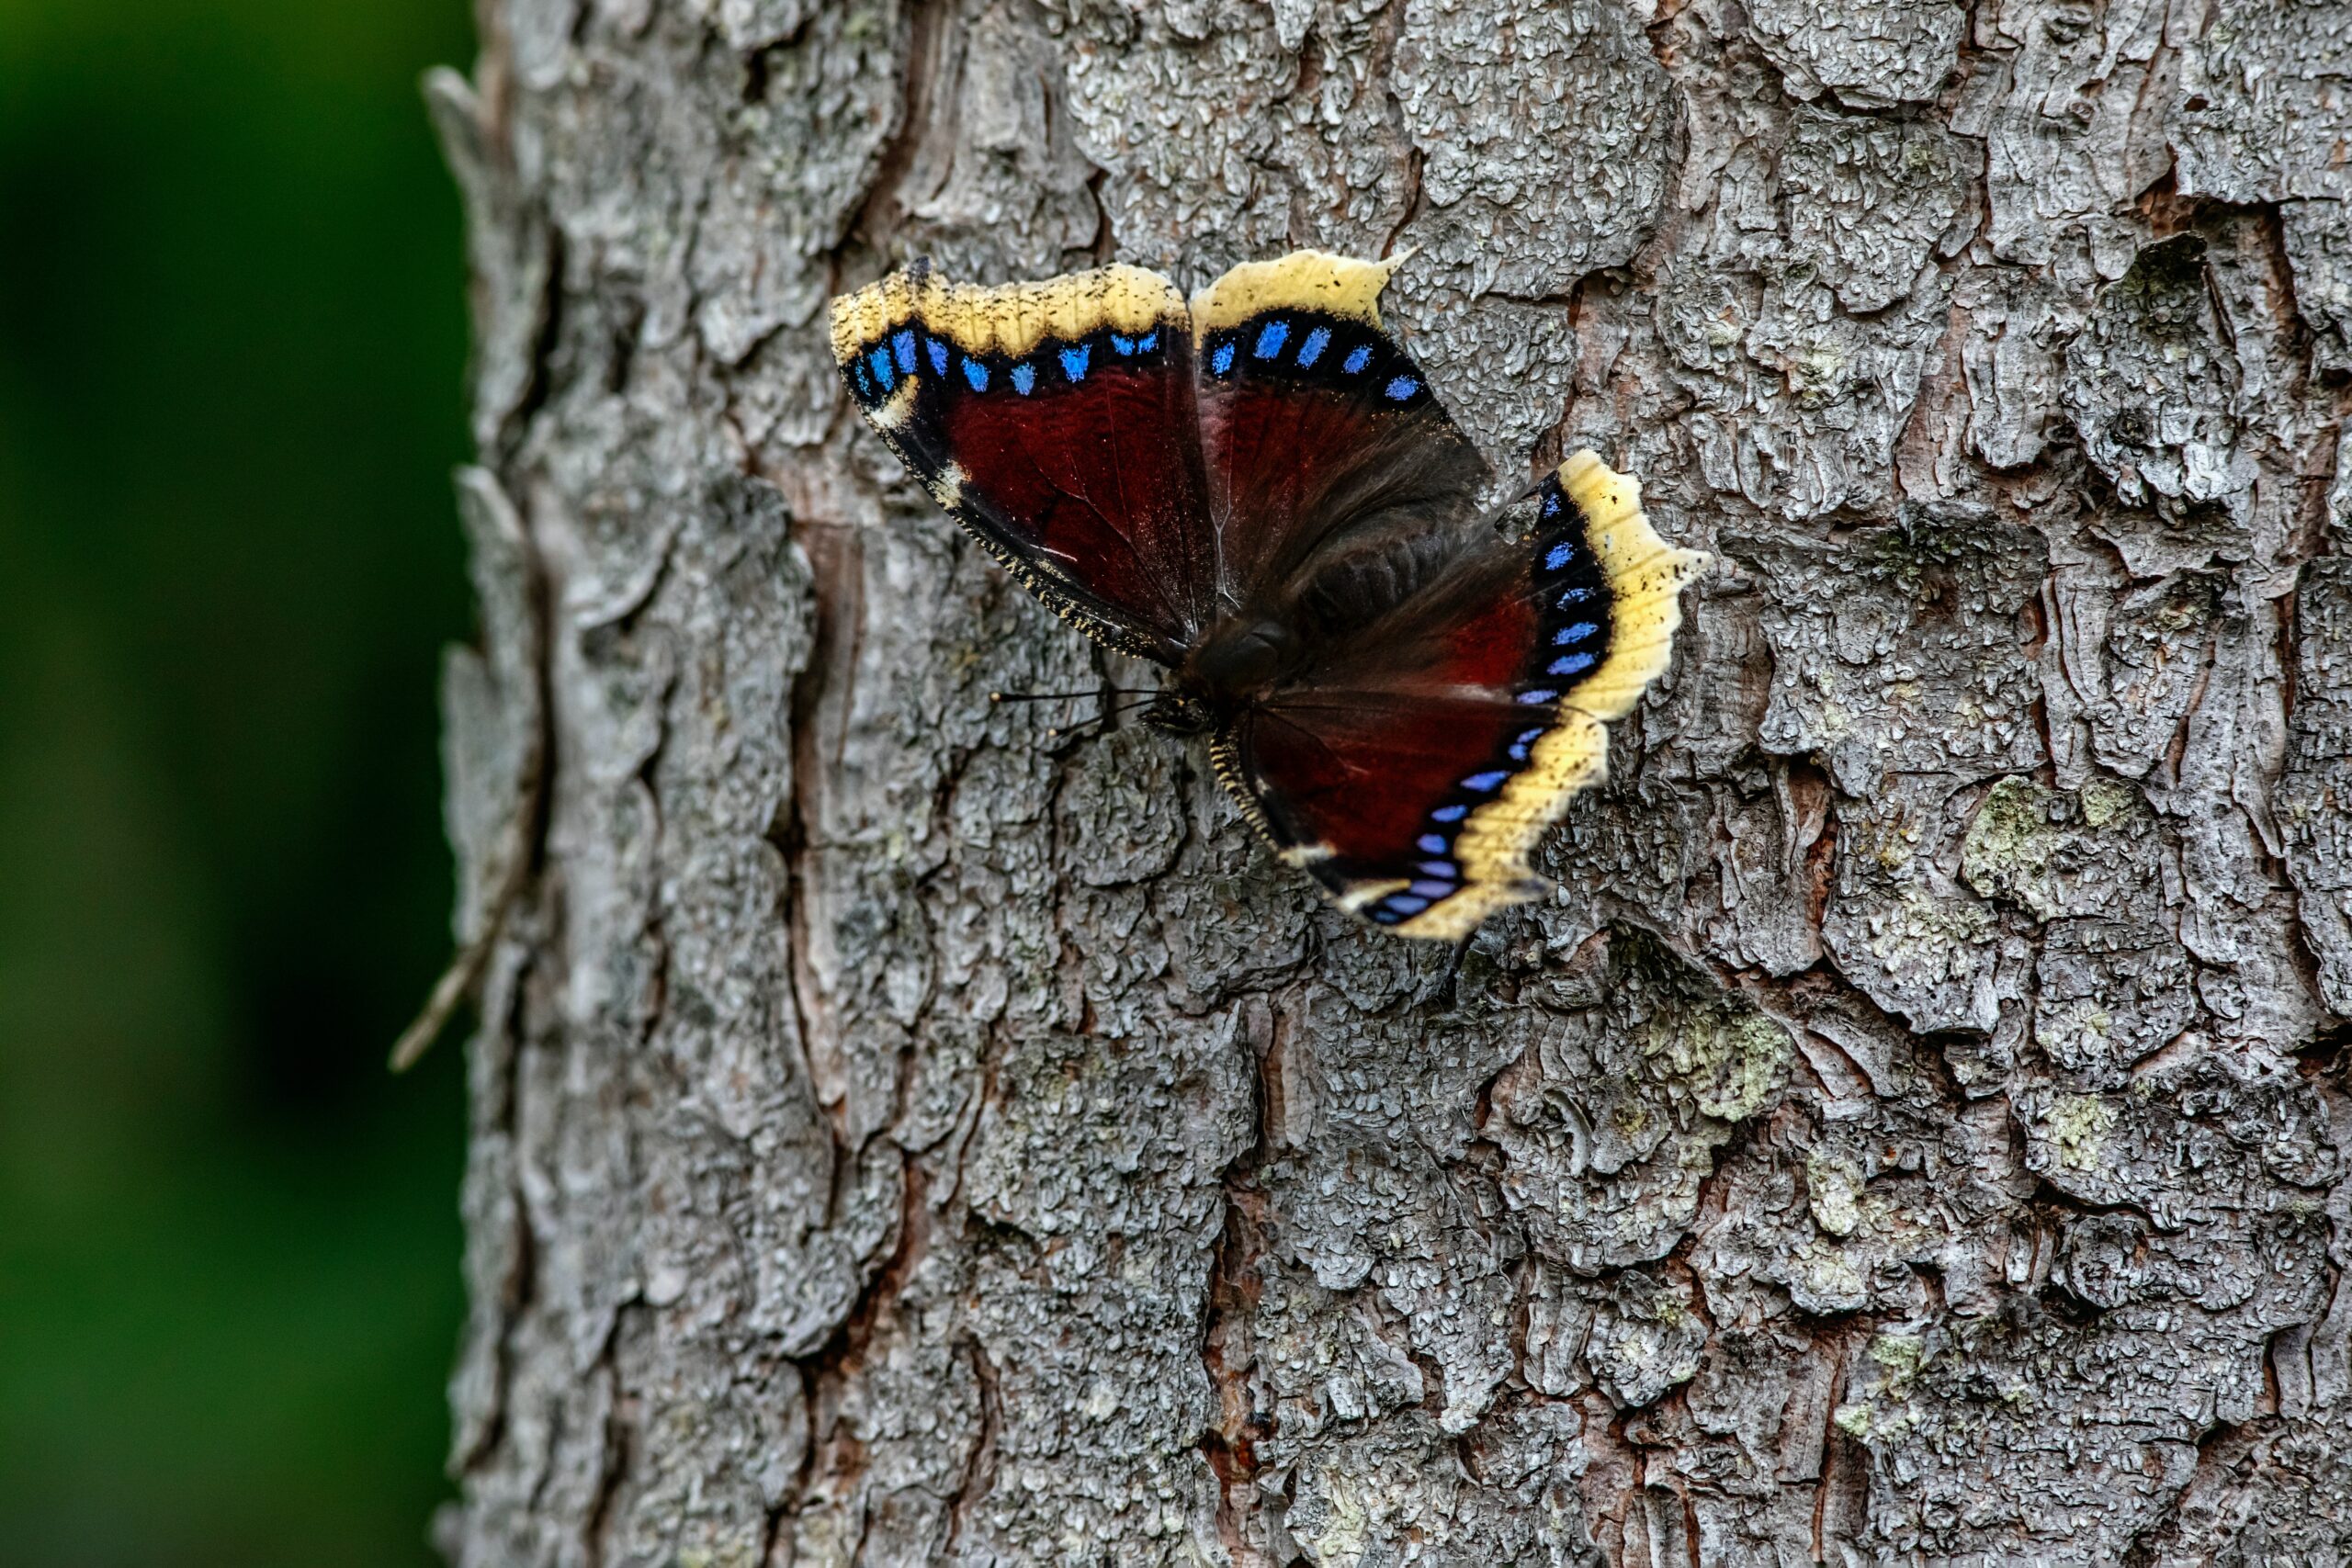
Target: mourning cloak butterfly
{"points": [[1259, 493]]}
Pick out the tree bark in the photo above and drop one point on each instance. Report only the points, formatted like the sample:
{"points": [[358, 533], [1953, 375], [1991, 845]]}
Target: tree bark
{"points": [[1914, 1132]]}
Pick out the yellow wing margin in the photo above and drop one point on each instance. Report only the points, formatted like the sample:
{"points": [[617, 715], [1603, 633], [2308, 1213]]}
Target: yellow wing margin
{"points": [[1009, 320], [1646, 577], [1303, 280]]}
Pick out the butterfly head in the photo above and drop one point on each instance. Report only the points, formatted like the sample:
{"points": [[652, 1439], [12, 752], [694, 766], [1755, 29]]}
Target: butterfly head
{"points": [[1179, 714]]}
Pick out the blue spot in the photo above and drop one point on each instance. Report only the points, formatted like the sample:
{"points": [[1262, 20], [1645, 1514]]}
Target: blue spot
{"points": [[1449, 813], [1402, 388], [1359, 359], [1559, 555], [1404, 904], [1440, 868], [904, 345], [1432, 889], [1430, 844], [1552, 504], [1574, 596], [858, 374], [1122, 345], [938, 356], [880, 360], [1311, 349], [1482, 783], [1271, 338], [1519, 747], [1074, 362], [1385, 916], [976, 373], [1574, 664], [1577, 633], [1148, 342], [1222, 360], [1535, 698], [1025, 378]]}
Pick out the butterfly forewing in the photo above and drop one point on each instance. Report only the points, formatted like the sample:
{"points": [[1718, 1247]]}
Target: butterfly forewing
{"points": [[1320, 436], [1056, 422]]}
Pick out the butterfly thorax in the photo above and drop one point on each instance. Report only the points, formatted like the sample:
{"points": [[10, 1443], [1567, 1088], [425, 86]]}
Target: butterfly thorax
{"points": [[1237, 662]]}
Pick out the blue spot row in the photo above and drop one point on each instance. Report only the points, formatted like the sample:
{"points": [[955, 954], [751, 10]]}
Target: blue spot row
{"points": [[881, 367], [1439, 879], [1275, 335], [1440, 876]]}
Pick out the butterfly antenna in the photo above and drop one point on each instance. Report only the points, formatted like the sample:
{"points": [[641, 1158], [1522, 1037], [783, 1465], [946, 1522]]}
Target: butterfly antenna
{"points": [[1057, 697]]}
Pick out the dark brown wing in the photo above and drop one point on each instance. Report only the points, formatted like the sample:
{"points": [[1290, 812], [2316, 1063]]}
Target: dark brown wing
{"points": [[1412, 766], [1056, 422], [1330, 466]]}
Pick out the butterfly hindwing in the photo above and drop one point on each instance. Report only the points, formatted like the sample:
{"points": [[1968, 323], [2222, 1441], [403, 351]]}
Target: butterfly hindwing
{"points": [[1413, 772], [1056, 422]]}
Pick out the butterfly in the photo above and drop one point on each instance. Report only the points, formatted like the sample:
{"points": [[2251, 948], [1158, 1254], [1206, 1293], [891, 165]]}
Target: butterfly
{"points": [[1259, 493]]}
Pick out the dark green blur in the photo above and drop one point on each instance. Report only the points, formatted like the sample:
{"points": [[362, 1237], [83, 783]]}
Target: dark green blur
{"points": [[231, 336]]}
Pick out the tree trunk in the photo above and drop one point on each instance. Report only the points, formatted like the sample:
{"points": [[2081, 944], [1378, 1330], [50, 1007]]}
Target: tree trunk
{"points": [[1914, 1131]]}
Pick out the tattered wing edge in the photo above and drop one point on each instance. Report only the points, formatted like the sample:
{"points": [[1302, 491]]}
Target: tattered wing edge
{"points": [[1010, 318], [1346, 286]]}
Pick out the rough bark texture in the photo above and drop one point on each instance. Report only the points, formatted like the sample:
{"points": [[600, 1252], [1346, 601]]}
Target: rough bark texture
{"points": [[1917, 1131]]}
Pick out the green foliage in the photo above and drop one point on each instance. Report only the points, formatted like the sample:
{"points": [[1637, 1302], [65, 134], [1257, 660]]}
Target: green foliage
{"points": [[232, 332]]}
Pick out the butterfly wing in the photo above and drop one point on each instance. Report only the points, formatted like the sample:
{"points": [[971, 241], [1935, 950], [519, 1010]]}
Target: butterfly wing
{"points": [[1319, 435], [1056, 422], [1412, 769]]}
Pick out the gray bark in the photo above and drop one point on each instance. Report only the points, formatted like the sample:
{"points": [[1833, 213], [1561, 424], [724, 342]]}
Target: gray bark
{"points": [[1915, 1131]]}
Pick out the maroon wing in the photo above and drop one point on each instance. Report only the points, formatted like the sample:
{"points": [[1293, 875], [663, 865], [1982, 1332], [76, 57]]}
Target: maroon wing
{"points": [[1056, 422], [1412, 766], [1319, 435]]}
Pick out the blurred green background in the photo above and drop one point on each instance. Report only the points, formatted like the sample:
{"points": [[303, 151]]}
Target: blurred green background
{"points": [[232, 334]]}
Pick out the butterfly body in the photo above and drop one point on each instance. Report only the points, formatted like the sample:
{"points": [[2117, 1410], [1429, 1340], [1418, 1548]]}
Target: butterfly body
{"points": [[1257, 490]]}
